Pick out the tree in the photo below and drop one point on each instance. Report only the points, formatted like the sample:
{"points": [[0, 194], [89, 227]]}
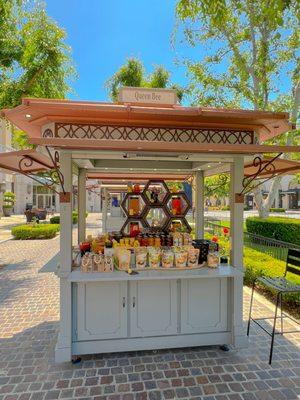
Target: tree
{"points": [[132, 73], [217, 186], [251, 53], [34, 59]]}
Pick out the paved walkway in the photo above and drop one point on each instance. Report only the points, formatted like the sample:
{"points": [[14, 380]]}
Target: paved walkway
{"points": [[29, 314]]}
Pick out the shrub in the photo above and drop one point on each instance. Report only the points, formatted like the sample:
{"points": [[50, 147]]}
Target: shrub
{"points": [[56, 218], [225, 208], [76, 213], [285, 229], [278, 210], [35, 231], [259, 264], [9, 200]]}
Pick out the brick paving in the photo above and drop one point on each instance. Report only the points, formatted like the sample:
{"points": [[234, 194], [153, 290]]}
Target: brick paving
{"points": [[29, 313]]}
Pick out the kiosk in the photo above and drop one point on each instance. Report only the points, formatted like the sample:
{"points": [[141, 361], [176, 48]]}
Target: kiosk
{"points": [[115, 311]]}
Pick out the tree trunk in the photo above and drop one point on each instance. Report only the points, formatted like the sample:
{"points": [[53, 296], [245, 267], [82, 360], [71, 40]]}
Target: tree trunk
{"points": [[264, 205]]}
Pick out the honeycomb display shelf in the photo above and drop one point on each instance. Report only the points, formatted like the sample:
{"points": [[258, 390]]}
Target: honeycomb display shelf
{"points": [[156, 200]]}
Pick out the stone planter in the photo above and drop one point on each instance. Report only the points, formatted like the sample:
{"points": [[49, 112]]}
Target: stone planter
{"points": [[7, 211]]}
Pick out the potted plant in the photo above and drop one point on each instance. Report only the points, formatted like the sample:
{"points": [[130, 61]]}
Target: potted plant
{"points": [[9, 200]]}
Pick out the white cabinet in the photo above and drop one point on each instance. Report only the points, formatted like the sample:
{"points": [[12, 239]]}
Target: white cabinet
{"points": [[203, 305], [101, 310], [153, 308]]}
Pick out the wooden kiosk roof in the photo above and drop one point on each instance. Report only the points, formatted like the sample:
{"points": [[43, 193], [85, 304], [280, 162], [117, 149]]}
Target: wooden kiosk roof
{"points": [[97, 130], [33, 113]]}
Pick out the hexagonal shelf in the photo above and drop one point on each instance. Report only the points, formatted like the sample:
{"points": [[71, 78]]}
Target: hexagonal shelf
{"points": [[133, 204], [132, 226], [178, 204], [156, 192], [179, 224], [156, 217]]}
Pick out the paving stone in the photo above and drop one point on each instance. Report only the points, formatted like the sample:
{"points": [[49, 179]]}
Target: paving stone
{"points": [[29, 314]]}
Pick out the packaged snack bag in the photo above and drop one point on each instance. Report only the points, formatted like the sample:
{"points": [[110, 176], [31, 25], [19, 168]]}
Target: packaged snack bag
{"points": [[108, 264], [154, 257], [193, 256], [212, 260], [99, 262], [167, 258], [87, 263], [181, 259], [140, 257], [123, 257]]}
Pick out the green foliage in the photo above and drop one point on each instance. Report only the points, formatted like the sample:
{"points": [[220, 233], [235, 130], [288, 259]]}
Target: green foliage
{"points": [[34, 59], [9, 199], [216, 186], [259, 264], [247, 47], [56, 218], [284, 229], [278, 210], [19, 140], [132, 74], [35, 231]]}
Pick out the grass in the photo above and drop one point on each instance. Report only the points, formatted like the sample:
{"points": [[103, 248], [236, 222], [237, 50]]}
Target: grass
{"points": [[259, 263]]}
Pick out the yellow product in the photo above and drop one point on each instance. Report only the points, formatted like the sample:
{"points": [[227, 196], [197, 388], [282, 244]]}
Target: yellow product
{"points": [[181, 259], [140, 257], [123, 257], [167, 258], [136, 243], [122, 242], [212, 260], [127, 243], [193, 256], [131, 241], [154, 258]]}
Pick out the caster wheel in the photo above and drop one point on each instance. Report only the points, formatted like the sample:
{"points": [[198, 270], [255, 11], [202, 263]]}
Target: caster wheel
{"points": [[224, 347], [76, 360]]}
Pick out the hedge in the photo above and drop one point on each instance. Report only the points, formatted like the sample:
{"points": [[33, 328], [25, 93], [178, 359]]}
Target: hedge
{"points": [[284, 229], [258, 264], [36, 231], [261, 264], [278, 210], [56, 218]]}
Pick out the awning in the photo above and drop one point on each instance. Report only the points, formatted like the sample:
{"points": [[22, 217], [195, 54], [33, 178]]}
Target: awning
{"points": [[33, 113], [25, 161], [279, 167]]}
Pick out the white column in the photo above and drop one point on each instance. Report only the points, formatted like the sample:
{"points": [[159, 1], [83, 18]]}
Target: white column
{"points": [[64, 342], [239, 338], [236, 212], [104, 209], [199, 205], [81, 205]]}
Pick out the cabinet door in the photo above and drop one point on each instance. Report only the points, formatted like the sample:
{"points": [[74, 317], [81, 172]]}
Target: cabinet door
{"points": [[203, 305], [153, 308], [101, 310]]}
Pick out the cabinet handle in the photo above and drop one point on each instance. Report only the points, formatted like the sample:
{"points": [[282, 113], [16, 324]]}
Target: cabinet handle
{"points": [[124, 302], [133, 301]]}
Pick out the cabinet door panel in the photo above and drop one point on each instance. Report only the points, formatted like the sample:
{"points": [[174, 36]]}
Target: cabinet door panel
{"points": [[101, 310], [153, 309], [203, 305]]}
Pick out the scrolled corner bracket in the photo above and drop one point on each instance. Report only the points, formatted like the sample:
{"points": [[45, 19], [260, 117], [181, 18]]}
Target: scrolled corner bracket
{"points": [[27, 162], [55, 174], [261, 166]]}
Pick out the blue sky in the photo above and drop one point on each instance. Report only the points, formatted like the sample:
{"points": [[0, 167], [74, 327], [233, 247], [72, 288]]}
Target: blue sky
{"points": [[103, 33]]}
